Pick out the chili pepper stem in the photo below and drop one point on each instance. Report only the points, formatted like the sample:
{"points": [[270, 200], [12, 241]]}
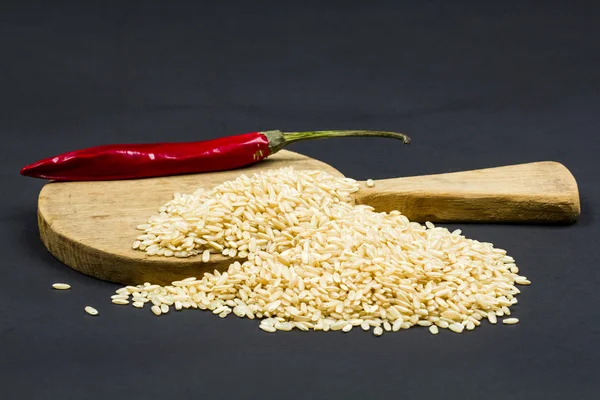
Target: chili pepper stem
{"points": [[278, 140]]}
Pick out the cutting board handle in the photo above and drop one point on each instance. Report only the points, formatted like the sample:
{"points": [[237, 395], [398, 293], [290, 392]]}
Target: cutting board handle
{"points": [[540, 192]]}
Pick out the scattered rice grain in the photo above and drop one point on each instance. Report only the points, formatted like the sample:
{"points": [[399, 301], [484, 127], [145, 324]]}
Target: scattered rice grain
{"points": [[61, 286], [91, 310]]}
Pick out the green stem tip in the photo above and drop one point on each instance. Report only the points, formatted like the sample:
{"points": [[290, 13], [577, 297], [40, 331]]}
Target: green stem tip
{"points": [[278, 140]]}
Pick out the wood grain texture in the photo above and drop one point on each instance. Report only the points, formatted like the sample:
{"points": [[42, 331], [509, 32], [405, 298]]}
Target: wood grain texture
{"points": [[541, 192], [90, 226]]}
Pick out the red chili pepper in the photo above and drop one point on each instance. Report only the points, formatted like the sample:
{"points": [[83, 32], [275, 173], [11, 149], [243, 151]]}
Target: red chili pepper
{"points": [[127, 161]]}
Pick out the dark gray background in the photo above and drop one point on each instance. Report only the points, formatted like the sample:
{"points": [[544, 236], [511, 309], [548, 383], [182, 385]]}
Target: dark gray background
{"points": [[475, 85]]}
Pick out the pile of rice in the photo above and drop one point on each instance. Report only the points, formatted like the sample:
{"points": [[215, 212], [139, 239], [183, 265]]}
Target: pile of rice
{"points": [[314, 260]]}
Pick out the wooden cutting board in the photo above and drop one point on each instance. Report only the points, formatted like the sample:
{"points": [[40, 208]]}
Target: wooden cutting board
{"points": [[90, 226]]}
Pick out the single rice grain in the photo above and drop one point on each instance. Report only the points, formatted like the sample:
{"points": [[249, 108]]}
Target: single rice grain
{"points": [[61, 286], [91, 310]]}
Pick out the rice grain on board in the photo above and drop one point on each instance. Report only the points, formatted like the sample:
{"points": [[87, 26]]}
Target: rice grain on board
{"points": [[314, 260]]}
